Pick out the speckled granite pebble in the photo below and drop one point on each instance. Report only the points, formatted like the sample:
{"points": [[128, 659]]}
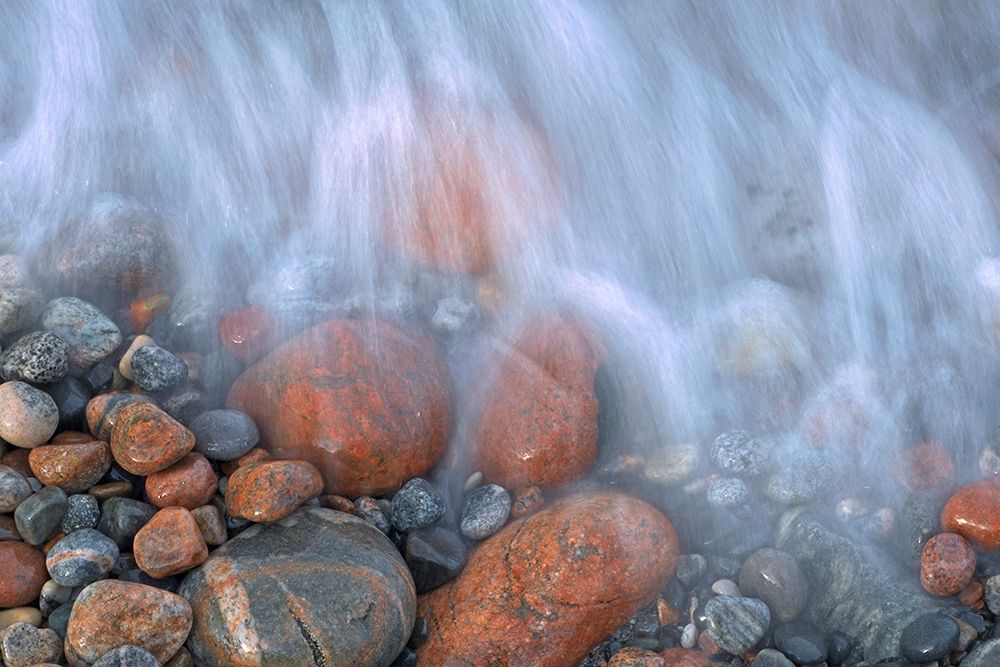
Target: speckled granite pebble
{"points": [[24, 645], [40, 358]]}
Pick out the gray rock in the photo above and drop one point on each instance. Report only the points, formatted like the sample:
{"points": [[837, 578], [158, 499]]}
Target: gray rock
{"points": [[770, 657], [185, 403], [801, 643], [991, 594], [802, 477], [775, 577], [736, 624], [452, 314], [40, 357], [916, 522], [155, 369], [434, 555], [39, 517], [14, 271], [59, 619], [417, 505], [928, 638], [986, 654], [81, 558], [691, 569], [90, 336], [23, 645], [83, 512], [224, 435], [739, 453], [52, 596], [19, 308], [370, 510], [728, 492], [485, 512], [121, 519], [14, 488], [127, 656]]}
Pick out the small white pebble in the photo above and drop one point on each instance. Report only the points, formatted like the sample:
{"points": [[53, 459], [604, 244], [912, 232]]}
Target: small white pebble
{"points": [[689, 637], [474, 480], [726, 587]]}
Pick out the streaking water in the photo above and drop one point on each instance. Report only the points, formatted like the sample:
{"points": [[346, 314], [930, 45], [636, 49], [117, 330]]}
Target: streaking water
{"points": [[767, 208]]}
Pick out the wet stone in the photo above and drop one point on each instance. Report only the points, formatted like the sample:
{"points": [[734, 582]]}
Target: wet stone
{"points": [[14, 271], [155, 369], [672, 465], [128, 656], [736, 624], [52, 596], [59, 618], [691, 569], [801, 642], [434, 555], [224, 435], [103, 412], [72, 467], [71, 397], [775, 577], [80, 558], [83, 512], [770, 657], [486, 511], [970, 512], [189, 483], [8, 529], [24, 645], [28, 416], [838, 649], [90, 336], [14, 488], [916, 522], [40, 358], [146, 439], [211, 523], [22, 574], [802, 477], [125, 363], [526, 500], [417, 505], [99, 378], [170, 543], [271, 490], [727, 492], [369, 509], [39, 517], [19, 308], [947, 564], [928, 638], [739, 453], [986, 654], [992, 594], [137, 576], [121, 519]]}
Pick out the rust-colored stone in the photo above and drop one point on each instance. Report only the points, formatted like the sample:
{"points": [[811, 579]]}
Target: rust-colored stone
{"points": [[339, 503], [973, 512], [146, 439], [51, 542], [666, 613], [682, 657], [633, 656], [170, 543], [71, 467], [71, 438], [17, 459], [144, 310], [947, 564], [972, 595], [22, 574], [366, 402], [248, 333], [927, 468], [111, 490], [189, 483], [547, 588], [526, 500], [112, 613], [255, 455], [103, 410], [8, 529], [539, 425], [271, 490]]}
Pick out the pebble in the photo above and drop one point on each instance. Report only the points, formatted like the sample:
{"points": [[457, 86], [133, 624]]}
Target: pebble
{"points": [[486, 511], [170, 543], [434, 556], [689, 636], [248, 333], [111, 490], [181, 659], [128, 656], [801, 642], [690, 569], [72, 467], [14, 488], [30, 615], [40, 358], [928, 638], [155, 369], [71, 397], [727, 492], [99, 378], [927, 468], [526, 500], [417, 504], [992, 594], [103, 412], [146, 439], [838, 649], [17, 458], [271, 490], [90, 336], [473, 481], [966, 635], [986, 654], [736, 624], [83, 512], [916, 522], [770, 657], [947, 564], [739, 453], [775, 577], [672, 464], [633, 656], [189, 483], [726, 587], [8, 529], [52, 596], [81, 558], [121, 519], [110, 613], [14, 271], [224, 435], [19, 308], [211, 524], [802, 477], [22, 574], [28, 416], [970, 512], [125, 363], [369, 509], [39, 516], [24, 645]]}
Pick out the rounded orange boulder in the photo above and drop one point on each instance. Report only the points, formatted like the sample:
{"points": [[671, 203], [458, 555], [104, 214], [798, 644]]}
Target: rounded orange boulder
{"points": [[368, 402], [548, 588], [973, 512], [145, 439]]}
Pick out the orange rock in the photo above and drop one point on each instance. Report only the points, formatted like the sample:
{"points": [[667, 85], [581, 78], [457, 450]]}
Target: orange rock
{"points": [[666, 613], [682, 657], [146, 439], [248, 333], [539, 426], [170, 543], [973, 512], [189, 483], [255, 455], [17, 459], [103, 410], [925, 468], [633, 656], [144, 310], [339, 503], [366, 402], [71, 438], [947, 564], [972, 595], [271, 490], [71, 467], [22, 574], [547, 588]]}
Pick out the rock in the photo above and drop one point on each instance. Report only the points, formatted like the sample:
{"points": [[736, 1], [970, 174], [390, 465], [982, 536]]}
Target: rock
{"points": [[170, 543], [155, 369], [549, 587], [345, 595], [927, 468], [39, 516], [125, 363], [248, 333], [24, 645], [947, 564], [189, 483], [71, 397], [89, 335], [986, 654], [99, 378], [14, 271], [730, 492], [8, 529], [770, 657], [81, 558], [801, 642], [367, 402], [672, 464], [146, 439], [970, 513], [271, 490], [725, 587], [682, 657], [452, 314], [40, 358], [28, 416], [224, 435], [128, 656], [369, 509], [539, 421], [690, 569], [19, 308], [928, 638], [52, 596], [775, 577], [525, 501], [992, 594], [417, 505], [29, 615], [71, 467], [739, 453], [633, 656], [121, 519], [802, 477], [109, 614], [916, 522], [434, 555], [22, 574], [211, 524], [485, 512], [14, 488], [737, 624], [104, 411]]}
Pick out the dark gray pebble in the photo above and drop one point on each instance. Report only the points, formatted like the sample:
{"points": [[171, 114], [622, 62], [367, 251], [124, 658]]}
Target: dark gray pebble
{"points": [[185, 404], [81, 558], [775, 577], [417, 505], [801, 642], [14, 488], [83, 512], [59, 618], [986, 654], [127, 656], [370, 510], [40, 357], [71, 398], [802, 477], [690, 569], [89, 335], [434, 555], [991, 594], [838, 648], [99, 378], [39, 517], [736, 624], [770, 657], [137, 576], [739, 453], [485, 512], [928, 638], [155, 369], [121, 519], [224, 435]]}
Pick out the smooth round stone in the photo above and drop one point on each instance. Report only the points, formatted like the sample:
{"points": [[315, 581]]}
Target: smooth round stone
{"points": [[736, 624], [928, 638], [108, 614], [369, 509], [90, 336], [170, 543], [726, 587], [14, 488], [947, 564], [71, 397], [128, 656], [803, 643], [155, 369], [486, 511], [727, 492], [434, 555], [125, 363], [72, 467], [991, 594], [24, 645], [146, 439], [104, 410], [121, 519], [775, 577], [28, 416], [417, 505], [15, 271], [224, 435], [345, 595], [189, 483], [30, 615], [739, 453], [271, 490], [916, 522], [80, 558], [690, 569], [40, 358], [52, 596], [83, 512], [19, 308], [971, 512], [211, 523], [185, 403], [59, 618], [22, 574], [801, 478], [927, 468], [672, 465], [39, 516], [770, 657]]}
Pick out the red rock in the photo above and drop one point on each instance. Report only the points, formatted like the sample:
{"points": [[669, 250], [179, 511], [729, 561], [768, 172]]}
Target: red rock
{"points": [[71, 438], [71, 467], [189, 483], [947, 564], [339, 503], [366, 402], [547, 588], [22, 573], [8, 529], [271, 490], [146, 439], [103, 410], [255, 455], [113, 613], [170, 543], [525, 501], [682, 657], [248, 333], [633, 656], [144, 310], [925, 468], [539, 425], [972, 595], [973, 512], [17, 459]]}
